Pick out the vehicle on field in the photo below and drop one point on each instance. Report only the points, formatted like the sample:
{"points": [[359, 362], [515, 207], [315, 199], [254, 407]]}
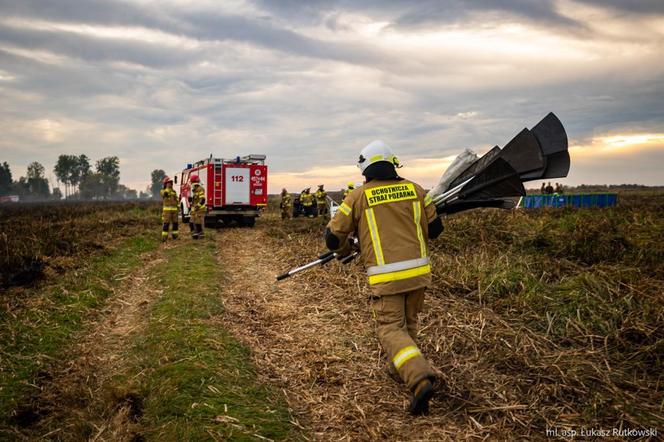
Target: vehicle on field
{"points": [[235, 189]]}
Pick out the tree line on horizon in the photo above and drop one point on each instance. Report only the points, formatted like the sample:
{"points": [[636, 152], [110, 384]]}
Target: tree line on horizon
{"points": [[75, 173]]}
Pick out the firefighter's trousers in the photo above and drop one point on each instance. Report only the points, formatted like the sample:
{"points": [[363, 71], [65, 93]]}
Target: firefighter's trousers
{"points": [[286, 212], [196, 223], [322, 209], [396, 319], [169, 217]]}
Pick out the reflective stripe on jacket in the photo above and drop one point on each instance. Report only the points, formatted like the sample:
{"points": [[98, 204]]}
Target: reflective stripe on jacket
{"points": [[170, 198], [307, 199], [320, 197], [198, 199], [391, 219]]}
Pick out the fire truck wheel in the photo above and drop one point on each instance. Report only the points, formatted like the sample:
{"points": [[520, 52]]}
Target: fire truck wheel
{"points": [[248, 221]]}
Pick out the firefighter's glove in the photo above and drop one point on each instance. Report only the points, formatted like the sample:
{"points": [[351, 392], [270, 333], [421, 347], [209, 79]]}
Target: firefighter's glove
{"points": [[348, 248]]}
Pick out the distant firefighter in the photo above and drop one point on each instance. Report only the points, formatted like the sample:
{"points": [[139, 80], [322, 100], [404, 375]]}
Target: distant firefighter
{"points": [[549, 189], [169, 214], [198, 208], [351, 187], [321, 200], [286, 204], [307, 201]]}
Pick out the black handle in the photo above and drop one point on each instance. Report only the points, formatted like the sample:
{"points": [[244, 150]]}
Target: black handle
{"points": [[283, 276], [348, 259], [325, 255], [327, 259]]}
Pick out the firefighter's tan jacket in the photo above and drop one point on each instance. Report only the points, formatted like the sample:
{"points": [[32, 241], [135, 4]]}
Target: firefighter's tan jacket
{"points": [[307, 199], [320, 197], [170, 198], [286, 201], [390, 219], [198, 203]]}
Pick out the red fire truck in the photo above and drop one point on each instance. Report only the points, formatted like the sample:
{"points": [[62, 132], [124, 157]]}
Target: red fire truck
{"points": [[236, 190]]}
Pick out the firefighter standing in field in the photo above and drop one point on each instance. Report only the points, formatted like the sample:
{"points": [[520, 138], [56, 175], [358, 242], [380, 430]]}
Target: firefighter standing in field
{"points": [[198, 207], [307, 201], [351, 187], [286, 204], [321, 200], [392, 218], [170, 210]]}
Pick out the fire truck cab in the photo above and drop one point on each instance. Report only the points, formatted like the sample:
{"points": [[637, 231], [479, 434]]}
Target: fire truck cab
{"points": [[235, 190]]}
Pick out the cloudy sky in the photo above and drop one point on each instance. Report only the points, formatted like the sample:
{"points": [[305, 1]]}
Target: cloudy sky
{"points": [[160, 83]]}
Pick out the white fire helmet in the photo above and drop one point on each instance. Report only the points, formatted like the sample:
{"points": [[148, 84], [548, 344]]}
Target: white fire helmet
{"points": [[374, 152]]}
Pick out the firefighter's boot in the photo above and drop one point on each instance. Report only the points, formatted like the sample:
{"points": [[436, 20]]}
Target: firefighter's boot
{"points": [[422, 394], [175, 232], [164, 232], [199, 231]]}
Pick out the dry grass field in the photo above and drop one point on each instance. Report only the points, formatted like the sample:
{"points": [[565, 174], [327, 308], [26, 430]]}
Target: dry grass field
{"points": [[537, 320]]}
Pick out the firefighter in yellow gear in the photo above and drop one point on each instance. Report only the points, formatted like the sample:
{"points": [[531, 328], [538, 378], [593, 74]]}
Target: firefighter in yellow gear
{"points": [[351, 187], [321, 200], [392, 218], [169, 214], [286, 204], [198, 208], [307, 201]]}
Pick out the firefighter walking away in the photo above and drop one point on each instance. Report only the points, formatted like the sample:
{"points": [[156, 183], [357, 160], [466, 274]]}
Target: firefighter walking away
{"points": [[286, 204], [169, 214], [393, 219], [198, 208]]}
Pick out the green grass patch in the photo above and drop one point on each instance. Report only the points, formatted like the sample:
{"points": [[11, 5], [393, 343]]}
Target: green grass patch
{"points": [[199, 382], [35, 334]]}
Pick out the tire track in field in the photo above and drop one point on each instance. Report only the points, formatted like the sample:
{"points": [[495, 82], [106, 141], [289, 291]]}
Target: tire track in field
{"points": [[315, 339], [78, 398]]}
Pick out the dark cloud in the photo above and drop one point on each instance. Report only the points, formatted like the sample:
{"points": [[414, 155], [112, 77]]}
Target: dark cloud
{"points": [[60, 81], [632, 6], [90, 48], [432, 12], [102, 12], [207, 25], [227, 27], [420, 13]]}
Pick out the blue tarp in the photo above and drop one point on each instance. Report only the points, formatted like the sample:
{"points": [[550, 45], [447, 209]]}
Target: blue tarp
{"points": [[580, 200]]}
